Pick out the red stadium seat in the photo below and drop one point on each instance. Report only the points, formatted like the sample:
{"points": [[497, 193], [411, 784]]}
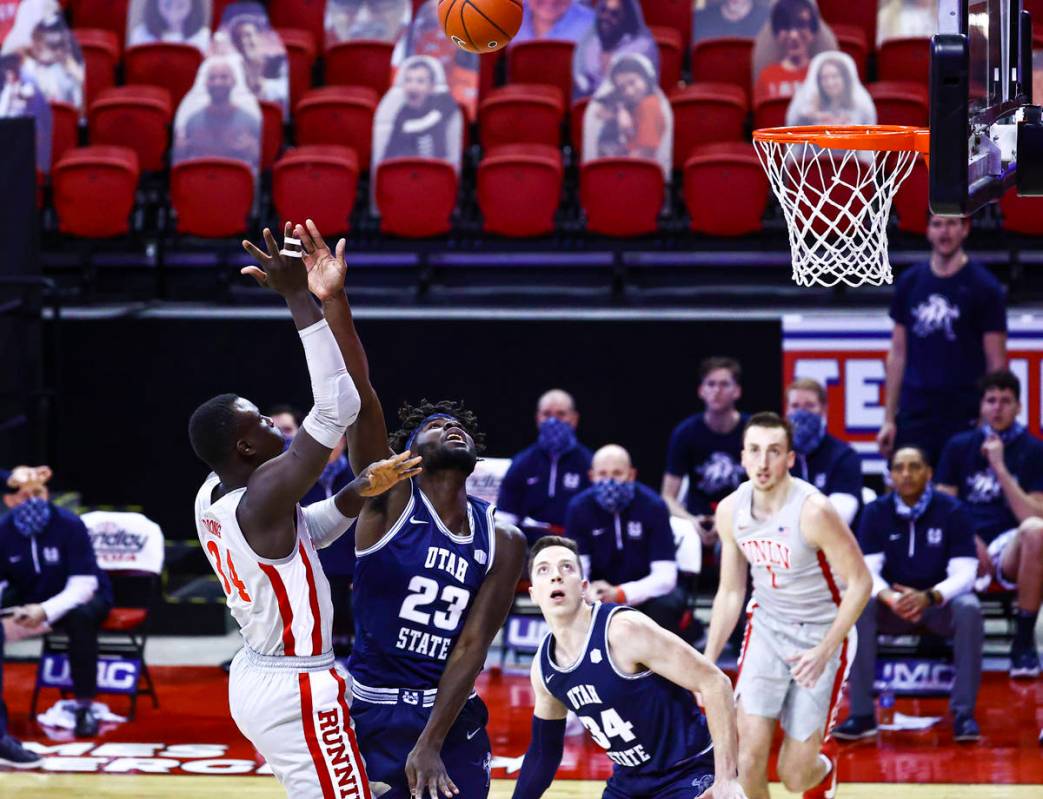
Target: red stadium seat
{"points": [[671, 53], [94, 191], [542, 61], [212, 196], [725, 61], [900, 103], [676, 14], [603, 185], [725, 189], [1022, 214], [910, 202], [851, 39], [137, 117], [520, 113], [271, 133], [705, 113], [338, 115], [519, 188], [904, 60], [171, 66], [65, 129], [300, 53], [316, 182], [110, 15], [415, 196], [305, 14], [359, 63], [101, 54], [858, 13], [770, 112], [488, 66]]}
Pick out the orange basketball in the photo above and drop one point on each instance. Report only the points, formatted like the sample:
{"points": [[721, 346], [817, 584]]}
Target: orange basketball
{"points": [[480, 26]]}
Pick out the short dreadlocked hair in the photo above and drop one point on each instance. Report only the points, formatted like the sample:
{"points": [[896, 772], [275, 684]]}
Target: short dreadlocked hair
{"points": [[410, 417]]}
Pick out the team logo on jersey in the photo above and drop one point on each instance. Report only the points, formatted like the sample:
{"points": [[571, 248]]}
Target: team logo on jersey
{"points": [[934, 536], [598, 531], [51, 555], [634, 529], [983, 487], [595, 655], [481, 556], [411, 697], [702, 784], [571, 480], [718, 473], [935, 314]]}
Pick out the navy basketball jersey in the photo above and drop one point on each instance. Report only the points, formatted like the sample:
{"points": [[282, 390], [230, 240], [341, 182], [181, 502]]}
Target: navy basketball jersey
{"points": [[413, 591], [648, 725]]}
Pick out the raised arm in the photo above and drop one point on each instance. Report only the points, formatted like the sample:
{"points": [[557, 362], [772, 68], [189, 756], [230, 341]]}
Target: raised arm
{"points": [[731, 591], [424, 768], [894, 372], [547, 743]]}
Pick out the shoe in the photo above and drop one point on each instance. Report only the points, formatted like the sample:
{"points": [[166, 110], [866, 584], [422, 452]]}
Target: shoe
{"points": [[965, 729], [12, 753], [856, 728], [827, 789], [1024, 663], [86, 723]]}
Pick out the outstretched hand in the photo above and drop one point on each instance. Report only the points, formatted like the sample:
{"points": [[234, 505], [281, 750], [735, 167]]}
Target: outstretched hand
{"points": [[381, 476], [280, 273], [326, 270]]}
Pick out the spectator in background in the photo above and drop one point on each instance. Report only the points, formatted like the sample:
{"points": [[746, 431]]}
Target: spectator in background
{"points": [[288, 419], [424, 122], [569, 20], [246, 28], [829, 464], [175, 21], [831, 94], [21, 97], [707, 448], [997, 470], [950, 328], [544, 478], [730, 19], [426, 37], [901, 19], [48, 566], [619, 27], [784, 49], [351, 20], [1037, 74], [919, 547], [625, 541], [55, 62]]}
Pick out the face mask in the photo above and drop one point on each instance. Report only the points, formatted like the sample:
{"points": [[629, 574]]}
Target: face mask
{"points": [[331, 470], [916, 511], [556, 437], [1006, 436], [808, 430], [31, 517], [286, 441], [613, 495]]}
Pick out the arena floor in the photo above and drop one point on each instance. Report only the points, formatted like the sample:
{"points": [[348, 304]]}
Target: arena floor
{"points": [[190, 747]]}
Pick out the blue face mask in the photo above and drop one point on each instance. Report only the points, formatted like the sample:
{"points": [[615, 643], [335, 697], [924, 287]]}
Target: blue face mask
{"points": [[808, 430], [286, 441], [614, 495], [331, 470], [1006, 436], [916, 511], [31, 517], [556, 437]]}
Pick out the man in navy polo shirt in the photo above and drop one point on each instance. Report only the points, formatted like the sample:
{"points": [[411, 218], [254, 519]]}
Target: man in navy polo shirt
{"points": [[625, 541], [950, 328], [997, 470], [707, 448], [47, 565], [829, 464], [919, 546], [544, 478]]}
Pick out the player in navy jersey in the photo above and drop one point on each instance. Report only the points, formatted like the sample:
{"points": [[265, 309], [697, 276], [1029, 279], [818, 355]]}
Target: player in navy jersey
{"points": [[633, 686], [434, 580]]}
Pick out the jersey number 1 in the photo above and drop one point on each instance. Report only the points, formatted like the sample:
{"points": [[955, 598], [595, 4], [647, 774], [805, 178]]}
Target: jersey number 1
{"points": [[240, 586]]}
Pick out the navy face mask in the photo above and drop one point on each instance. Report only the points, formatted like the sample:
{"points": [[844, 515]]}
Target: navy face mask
{"points": [[31, 517], [808, 430], [614, 495], [556, 437]]}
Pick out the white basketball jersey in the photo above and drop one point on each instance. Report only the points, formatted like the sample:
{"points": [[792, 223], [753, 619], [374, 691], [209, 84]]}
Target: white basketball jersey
{"points": [[283, 607], [791, 579]]}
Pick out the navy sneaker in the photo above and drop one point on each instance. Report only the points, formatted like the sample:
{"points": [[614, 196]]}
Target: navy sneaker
{"points": [[965, 728], [12, 753], [86, 723], [856, 728], [1024, 663]]}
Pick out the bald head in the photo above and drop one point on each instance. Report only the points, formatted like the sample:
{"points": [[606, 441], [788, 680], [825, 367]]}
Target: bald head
{"points": [[557, 404], [612, 462]]}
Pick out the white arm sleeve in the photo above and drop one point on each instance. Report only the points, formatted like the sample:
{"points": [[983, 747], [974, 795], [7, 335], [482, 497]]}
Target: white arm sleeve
{"points": [[79, 588], [846, 505], [325, 523], [875, 564], [337, 400], [960, 575], [661, 580]]}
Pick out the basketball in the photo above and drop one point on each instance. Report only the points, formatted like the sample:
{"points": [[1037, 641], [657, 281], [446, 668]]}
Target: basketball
{"points": [[480, 26]]}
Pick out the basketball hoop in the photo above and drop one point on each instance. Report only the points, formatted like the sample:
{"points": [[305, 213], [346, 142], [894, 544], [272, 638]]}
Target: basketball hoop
{"points": [[836, 185]]}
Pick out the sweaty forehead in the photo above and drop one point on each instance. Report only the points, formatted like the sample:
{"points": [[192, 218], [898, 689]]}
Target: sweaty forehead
{"points": [[765, 436]]}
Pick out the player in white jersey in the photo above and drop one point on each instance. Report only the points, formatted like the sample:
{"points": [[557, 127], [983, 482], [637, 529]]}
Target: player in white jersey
{"points": [[286, 694], [800, 638]]}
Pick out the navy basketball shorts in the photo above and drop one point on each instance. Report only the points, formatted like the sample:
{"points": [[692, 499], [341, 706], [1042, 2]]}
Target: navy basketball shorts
{"points": [[387, 734], [688, 781]]}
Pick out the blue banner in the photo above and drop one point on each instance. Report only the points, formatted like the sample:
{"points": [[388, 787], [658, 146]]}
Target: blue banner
{"points": [[115, 675]]}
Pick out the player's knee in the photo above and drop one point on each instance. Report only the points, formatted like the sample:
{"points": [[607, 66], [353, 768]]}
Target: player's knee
{"points": [[1030, 533]]}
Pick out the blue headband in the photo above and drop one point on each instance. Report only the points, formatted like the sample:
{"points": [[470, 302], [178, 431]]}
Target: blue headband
{"points": [[419, 427]]}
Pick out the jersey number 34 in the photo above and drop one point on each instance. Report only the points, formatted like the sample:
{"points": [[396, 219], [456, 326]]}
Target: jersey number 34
{"points": [[232, 580]]}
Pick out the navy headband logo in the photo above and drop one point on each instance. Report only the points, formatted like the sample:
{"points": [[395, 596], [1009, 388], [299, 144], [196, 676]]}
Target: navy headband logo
{"points": [[419, 427]]}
